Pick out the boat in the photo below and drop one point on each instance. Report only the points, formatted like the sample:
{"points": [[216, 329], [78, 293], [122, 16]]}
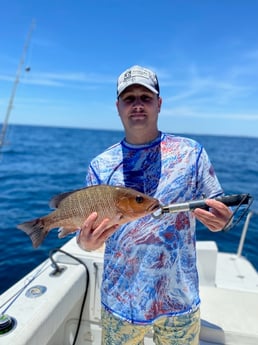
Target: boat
{"points": [[58, 303]]}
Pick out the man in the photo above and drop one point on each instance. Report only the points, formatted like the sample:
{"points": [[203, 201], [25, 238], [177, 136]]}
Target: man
{"points": [[150, 277]]}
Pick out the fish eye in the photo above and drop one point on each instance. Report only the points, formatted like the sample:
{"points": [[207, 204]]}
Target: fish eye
{"points": [[139, 199]]}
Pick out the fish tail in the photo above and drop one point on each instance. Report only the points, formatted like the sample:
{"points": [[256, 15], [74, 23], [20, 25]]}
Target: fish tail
{"points": [[35, 230]]}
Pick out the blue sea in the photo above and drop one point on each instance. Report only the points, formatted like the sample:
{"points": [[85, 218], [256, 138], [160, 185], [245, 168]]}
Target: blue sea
{"points": [[40, 162]]}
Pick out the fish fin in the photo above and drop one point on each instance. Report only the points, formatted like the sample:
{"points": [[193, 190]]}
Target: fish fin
{"points": [[35, 230], [62, 232], [56, 200]]}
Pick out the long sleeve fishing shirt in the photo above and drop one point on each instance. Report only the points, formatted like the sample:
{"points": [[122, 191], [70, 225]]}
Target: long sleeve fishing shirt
{"points": [[150, 264]]}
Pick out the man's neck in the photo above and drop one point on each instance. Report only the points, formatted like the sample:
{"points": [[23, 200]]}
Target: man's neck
{"points": [[141, 138]]}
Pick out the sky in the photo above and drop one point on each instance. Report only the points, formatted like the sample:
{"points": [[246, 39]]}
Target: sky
{"points": [[205, 53]]}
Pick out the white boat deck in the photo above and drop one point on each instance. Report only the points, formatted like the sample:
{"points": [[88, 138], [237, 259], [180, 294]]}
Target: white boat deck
{"points": [[228, 289], [233, 317]]}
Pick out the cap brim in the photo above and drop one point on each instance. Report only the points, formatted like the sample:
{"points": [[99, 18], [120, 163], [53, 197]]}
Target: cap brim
{"points": [[152, 89]]}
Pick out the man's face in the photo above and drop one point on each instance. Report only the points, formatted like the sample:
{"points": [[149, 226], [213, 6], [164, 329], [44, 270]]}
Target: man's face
{"points": [[138, 108]]}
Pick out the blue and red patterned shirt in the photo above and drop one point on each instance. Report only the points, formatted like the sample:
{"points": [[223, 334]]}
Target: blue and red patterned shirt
{"points": [[150, 264]]}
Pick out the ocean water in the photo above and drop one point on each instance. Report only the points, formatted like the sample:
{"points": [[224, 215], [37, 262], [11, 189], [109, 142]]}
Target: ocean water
{"points": [[39, 162]]}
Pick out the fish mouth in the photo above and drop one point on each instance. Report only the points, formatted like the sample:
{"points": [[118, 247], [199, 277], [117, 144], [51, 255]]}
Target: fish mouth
{"points": [[154, 207]]}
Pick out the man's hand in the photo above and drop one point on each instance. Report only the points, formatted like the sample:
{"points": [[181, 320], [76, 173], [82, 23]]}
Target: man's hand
{"points": [[216, 218], [91, 239]]}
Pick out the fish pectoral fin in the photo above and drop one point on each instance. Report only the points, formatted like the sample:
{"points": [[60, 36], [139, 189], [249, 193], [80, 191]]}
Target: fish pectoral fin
{"points": [[117, 219], [64, 231]]}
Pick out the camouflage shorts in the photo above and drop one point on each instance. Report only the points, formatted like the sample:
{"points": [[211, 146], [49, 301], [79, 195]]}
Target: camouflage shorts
{"points": [[179, 330]]}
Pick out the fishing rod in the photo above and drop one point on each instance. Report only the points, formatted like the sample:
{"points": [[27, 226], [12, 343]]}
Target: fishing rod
{"points": [[228, 200], [15, 85]]}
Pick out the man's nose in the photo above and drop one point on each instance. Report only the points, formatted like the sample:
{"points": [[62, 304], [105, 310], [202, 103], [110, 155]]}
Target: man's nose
{"points": [[137, 102]]}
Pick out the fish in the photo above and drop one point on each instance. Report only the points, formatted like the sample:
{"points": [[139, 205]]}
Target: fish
{"points": [[120, 204]]}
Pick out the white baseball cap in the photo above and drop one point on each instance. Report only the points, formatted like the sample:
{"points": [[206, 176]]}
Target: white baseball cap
{"points": [[137, 75]]}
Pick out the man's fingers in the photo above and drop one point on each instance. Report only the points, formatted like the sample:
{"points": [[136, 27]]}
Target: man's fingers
{"points": [[90, 220], [91, 238], [216, 218]]}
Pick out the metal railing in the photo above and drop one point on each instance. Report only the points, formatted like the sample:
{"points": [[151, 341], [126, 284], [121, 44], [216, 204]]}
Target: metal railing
{"points": [[243, 234]]}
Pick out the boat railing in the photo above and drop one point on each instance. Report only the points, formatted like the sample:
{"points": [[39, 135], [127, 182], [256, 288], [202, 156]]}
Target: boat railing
{"points": [[244, 232]]}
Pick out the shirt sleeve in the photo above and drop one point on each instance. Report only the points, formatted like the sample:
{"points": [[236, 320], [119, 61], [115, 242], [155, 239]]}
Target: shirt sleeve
{"points": [[208, 185]]}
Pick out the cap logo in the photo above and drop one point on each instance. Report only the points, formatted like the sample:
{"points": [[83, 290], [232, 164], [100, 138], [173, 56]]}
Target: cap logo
{"points": [[127, 75]]}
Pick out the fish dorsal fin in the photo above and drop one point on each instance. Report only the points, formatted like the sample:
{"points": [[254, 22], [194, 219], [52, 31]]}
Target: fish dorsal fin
{"points": [[57, 199]]}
